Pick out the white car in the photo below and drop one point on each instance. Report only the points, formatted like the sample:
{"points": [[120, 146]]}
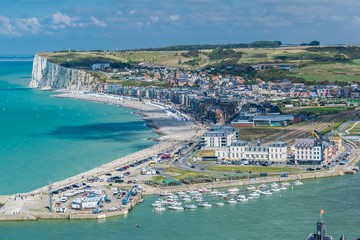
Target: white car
{"points": [[135, 181]]}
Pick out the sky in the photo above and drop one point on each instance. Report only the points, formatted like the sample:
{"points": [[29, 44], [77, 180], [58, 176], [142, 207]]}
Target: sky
{"points": [[30, 26]]}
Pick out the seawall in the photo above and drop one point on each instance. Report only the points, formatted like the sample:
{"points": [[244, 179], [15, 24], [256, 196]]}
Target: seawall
{"points": [[48, 75]]}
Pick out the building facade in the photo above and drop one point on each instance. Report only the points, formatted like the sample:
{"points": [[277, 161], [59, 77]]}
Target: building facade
{"points": [[241, 150], [309, 151], [219, 137]]}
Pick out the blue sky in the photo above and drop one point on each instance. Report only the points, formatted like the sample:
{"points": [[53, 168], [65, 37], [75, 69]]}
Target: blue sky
{"points": [[29, 26]]}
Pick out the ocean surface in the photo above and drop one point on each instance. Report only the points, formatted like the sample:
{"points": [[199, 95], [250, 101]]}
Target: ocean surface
{"points": [[288, 215], [45, 139]]}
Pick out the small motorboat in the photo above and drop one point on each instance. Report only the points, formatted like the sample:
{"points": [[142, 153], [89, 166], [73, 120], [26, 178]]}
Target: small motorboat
{"points": [[159, 209], [232, 201], [297, 183], [205, 205], [190, 206], [219, 204]]}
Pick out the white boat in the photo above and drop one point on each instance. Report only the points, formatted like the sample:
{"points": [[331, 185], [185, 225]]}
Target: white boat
{"points": [[175, 204], [232, 201], [203, 190], [176, 208], [275, 189], [242, 199], [282, 188], [214, 193], [164, 194], [251, 188], [159, 209], [285, 184], [297, 183], [187, 199], [233, 190], [190, 206], [181, 193], [241, 196], [221, 194], [205, 205], [274, 185], [251, 198], [266, 192], [254, 194], [263, 186], [219, 204]]}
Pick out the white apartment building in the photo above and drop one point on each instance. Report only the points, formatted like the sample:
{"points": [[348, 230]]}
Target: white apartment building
{"points": [[219, 137], [308, 150], [278, 151], [238, 150]]}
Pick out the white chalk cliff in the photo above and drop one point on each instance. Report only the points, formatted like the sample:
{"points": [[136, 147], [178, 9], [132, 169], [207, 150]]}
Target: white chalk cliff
{"points": [[47, 75]]}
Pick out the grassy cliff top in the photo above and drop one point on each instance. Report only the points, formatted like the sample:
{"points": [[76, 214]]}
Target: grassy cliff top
{"points": [[313, 63]]}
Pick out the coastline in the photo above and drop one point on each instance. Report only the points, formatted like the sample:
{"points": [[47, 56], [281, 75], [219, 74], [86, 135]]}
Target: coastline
{"points": [[173, 135]]}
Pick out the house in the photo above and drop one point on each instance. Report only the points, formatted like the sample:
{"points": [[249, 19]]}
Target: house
{"points": [[100, 66]]}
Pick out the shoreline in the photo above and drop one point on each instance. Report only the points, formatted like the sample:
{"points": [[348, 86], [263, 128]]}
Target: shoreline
{"points": [[173, 134]]}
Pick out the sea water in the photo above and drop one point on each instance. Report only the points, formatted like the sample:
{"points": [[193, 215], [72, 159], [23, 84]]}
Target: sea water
{"points": [[290, 214], [45, 139], [287, 215]]}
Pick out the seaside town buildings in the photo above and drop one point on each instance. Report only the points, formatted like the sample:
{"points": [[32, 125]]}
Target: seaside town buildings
{"points": [[226, 143], [222, 98]]}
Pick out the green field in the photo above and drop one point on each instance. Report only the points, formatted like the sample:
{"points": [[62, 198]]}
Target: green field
{"points": [[344, 72], [318, 110], [255, 133], [311, 66], [246, 169], [355, 130]]}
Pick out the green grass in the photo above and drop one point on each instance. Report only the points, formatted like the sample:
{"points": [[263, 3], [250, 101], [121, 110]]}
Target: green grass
{"points": [[205, 153], [252, 134], [355, 130], [333, 126], [181, 174], [158, 178], [318, 110], [345, 72], [250, 168]]}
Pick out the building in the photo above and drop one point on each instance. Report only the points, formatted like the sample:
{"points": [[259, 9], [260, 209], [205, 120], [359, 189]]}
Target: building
{"points": [[278, 151], [241, 150], [309, 151], [273, 120], [100, 66], [219, 137]]}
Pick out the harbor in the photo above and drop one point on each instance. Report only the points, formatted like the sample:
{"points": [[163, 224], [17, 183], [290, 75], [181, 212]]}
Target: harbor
{"points": [[36, 204]]}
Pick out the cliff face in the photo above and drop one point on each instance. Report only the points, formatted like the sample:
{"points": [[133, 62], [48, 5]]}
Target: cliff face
{"points": [[48, 75]]}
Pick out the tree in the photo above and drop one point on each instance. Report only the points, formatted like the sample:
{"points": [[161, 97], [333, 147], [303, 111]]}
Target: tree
{"points": [[314, 43]]}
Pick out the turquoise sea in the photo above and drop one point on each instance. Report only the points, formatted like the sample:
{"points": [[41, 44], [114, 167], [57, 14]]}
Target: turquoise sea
{"points": [[289, 215], [44, 139]]}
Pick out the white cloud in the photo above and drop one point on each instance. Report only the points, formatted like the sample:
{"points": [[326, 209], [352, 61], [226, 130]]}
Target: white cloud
{"points": [[32, 25], [98, 22], [175, 17], [154, 19], [356, 19], [132, 12], [61, 19], [6, 27]]}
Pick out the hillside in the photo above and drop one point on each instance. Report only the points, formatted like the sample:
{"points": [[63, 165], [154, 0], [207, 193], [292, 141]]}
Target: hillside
{"points": [[340, 64]]}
